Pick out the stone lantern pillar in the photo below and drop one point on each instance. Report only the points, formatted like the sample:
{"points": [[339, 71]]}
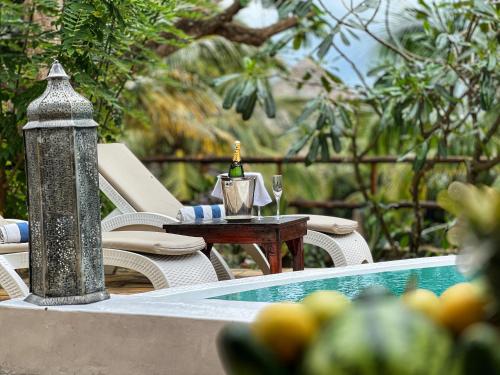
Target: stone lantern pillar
{"points": [[66, 261]]}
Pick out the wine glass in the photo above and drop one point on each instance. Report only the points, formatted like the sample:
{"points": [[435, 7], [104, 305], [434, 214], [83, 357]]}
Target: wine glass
{"points": [[259, 216], [277, 190]]}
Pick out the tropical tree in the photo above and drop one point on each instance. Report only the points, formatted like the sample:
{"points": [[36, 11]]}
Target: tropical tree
{"points": [[436, 94], [103, 45]]}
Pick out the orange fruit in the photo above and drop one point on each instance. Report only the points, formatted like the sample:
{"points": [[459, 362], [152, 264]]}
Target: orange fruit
{"points": [[461, 305], [326, 304], [285, 328], [423, 301]]}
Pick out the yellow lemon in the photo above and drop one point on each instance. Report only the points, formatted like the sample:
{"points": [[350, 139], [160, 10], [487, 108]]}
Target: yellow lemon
{"points": [[286, 328], [424, 301], [326, 304], [461, 305]]}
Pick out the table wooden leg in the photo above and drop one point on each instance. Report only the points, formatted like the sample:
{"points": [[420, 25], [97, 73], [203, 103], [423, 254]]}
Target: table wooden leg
{"points": [[273, 254], [207, 250], [296, 247]]}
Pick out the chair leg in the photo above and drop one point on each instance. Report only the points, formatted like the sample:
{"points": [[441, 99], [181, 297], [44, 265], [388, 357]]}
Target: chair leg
{"points": [[221, 268], [110, 270], [10, 281], [345, 250], [259, 257]]}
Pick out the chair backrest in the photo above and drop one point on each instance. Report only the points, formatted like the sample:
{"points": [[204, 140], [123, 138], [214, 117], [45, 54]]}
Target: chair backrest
{"points": [[133, 181]]}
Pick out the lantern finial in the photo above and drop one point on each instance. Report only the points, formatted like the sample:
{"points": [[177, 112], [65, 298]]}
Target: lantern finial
{"points": [[57, 71]]}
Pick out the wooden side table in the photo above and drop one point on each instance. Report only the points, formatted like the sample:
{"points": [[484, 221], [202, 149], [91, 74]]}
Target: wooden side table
{"points": [[269, 233]]}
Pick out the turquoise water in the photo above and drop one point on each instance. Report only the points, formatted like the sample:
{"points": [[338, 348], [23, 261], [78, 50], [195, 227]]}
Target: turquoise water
{"points": [[437, 279]]}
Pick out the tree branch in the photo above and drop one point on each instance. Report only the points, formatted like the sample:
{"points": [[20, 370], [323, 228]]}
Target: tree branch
{"points": [[223, 25], [254, 37]]}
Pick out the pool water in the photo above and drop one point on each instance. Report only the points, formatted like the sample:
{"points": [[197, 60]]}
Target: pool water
{"points": [[437, 279]]}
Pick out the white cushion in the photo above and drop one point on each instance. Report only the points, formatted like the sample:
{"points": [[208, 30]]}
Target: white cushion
{"points": [[331, 224], [135, 241], [9, 248], [152, 242]]}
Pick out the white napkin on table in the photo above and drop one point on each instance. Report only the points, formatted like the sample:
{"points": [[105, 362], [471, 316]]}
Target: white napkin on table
{"points": [[261, 196]]}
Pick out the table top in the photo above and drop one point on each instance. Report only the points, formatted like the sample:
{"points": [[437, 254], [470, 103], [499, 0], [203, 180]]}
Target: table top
{"points": [[267, 221]]}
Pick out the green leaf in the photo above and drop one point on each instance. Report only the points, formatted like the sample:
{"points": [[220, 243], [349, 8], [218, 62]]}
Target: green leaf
{"points": [[325, 149], [421, 156], [445, 93], [249, 106], [442, 41], [337, 146], [346, 119], [297, 40], [322, 120], [487, 91], [313, 152], [344, 39], [221, 80], [299, 145], [266, 94], [332, 77], [324, 46], [372, 3], [326, 84], [308, 111], [303, 8], [426, 25], [231, 95], [492, 62]]}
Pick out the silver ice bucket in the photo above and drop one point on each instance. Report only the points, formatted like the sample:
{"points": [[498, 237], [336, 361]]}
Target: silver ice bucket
{"points": [[237, 194]]}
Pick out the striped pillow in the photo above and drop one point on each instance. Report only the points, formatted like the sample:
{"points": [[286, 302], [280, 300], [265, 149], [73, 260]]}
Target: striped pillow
{"points": [[15, 232], [214, 211]]}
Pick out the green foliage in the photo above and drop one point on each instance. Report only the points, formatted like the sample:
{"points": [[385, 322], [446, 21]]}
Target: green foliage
{"points": [[245, 90], [101, 44], [435, 94]]}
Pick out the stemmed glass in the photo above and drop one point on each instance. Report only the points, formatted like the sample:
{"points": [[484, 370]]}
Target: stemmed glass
{"points": [[259, 216], [277, 190]]}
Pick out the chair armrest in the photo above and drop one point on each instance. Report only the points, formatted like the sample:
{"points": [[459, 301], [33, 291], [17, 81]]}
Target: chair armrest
{"points": [[148, 219]]}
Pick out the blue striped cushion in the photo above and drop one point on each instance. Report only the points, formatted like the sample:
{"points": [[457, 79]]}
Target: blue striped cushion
{"points": [[214, 211], [15, 232]]}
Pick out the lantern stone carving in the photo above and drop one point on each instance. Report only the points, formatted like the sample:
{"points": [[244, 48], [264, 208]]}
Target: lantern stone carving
{"points": [[66, 261]]}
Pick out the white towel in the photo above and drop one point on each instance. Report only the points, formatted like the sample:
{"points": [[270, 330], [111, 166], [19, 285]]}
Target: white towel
{"points": [[261, 196], [14, 233], [215, 211]]}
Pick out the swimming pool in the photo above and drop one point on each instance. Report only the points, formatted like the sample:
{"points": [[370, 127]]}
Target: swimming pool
{"points": [[436, 279], [169, 320]]}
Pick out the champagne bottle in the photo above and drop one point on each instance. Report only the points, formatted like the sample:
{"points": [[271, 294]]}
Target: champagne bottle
{"points": [[236, 168]]}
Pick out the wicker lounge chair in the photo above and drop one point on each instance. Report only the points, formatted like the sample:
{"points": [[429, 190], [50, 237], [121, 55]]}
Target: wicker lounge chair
{"points": [[142, 201], [167, 260]]}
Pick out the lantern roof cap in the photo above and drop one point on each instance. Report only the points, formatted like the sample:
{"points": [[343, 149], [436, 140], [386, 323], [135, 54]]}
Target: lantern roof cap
{"points": [[60, 106], [57, 71]]}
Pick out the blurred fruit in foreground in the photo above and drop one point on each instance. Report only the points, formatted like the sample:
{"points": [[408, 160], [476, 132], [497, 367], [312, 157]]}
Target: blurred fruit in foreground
{"points": [[242, 354], [285, 328], [479, 350], [374, 293], [423, 301], [325, 305], [477, 232], [380, 338], [461, 305]]}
